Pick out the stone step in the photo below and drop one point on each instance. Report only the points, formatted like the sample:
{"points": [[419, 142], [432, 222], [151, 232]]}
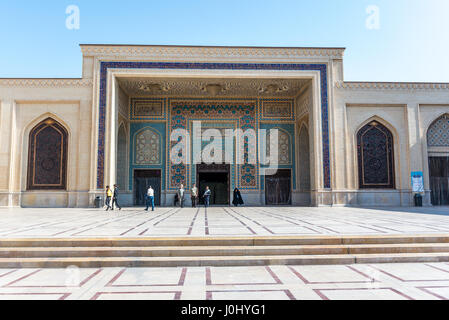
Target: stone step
{"points": [[220, 261], [223, 241], [210, 251], [221, 251]]}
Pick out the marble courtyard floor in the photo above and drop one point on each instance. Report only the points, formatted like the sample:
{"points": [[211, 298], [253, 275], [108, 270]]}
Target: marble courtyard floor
{"points": [[347, 282], [220, 221]]}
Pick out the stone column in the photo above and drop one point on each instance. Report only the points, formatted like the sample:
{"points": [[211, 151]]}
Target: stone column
{"points": [[318, 194], [111, 133], [84, 153], [7, 158], [338, 139], [94, 119]]}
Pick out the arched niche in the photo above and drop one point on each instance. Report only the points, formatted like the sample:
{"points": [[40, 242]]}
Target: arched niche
{"points": [[47, 156], [304, 159], [375, 154], [438, 153], [122, 151]]}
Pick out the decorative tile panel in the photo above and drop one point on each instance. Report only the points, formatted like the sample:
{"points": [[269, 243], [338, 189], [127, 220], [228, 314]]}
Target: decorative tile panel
{"points": [[283, 144], [148, 148], [184, 110], [438, 134]]}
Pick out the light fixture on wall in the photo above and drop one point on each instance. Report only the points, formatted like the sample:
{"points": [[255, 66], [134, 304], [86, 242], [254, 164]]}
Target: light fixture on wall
{"points": [[213, 89], [273, 88], [152, 87]]}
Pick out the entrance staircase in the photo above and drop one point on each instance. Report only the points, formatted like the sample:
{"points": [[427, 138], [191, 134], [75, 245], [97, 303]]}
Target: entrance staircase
{"points": [[248, 251]]}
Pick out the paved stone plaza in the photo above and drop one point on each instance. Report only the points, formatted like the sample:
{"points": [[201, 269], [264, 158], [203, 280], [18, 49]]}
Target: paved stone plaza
{"points": [[221, 221], [356, 282], [352, 282]]}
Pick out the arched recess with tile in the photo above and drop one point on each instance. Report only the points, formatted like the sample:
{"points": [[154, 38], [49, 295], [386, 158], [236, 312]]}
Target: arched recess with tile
{"points": [[438, 153], [47, 156]]}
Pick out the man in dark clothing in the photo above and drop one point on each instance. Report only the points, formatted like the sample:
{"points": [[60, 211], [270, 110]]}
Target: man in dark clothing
{"points": [[237, 198], [176, 200], [115, 198], [206, 197]]}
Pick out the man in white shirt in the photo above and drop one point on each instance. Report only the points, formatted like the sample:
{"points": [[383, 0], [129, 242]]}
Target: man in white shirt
{"points": [[181, 193], [150, 198], [194, 195]]}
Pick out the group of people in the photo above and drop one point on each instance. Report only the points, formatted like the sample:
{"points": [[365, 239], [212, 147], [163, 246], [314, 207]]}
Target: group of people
{"points": [[194, 196], [112, 197]]}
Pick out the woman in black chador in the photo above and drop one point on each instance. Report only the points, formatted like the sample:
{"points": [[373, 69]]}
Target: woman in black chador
{"points": [[237, 198]]}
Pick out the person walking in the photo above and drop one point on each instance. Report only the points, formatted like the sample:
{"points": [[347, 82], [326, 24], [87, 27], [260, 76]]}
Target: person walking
{"points": [[194, 195], [176, 200], [238, 200], [150, 198], [181, 194], [206, 197], [115, 198], [108, 198]]}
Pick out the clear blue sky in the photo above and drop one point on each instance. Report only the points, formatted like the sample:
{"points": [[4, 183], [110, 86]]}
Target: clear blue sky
{"points": [[411, 44]]}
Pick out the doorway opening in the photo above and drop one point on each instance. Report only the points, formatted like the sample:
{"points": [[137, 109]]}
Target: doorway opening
{"points": [[217, 177], [143, 179], [439, 180], [278, 188]]}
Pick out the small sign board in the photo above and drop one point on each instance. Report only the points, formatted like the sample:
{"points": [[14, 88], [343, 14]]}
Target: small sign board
{"points": [[417, 182]]}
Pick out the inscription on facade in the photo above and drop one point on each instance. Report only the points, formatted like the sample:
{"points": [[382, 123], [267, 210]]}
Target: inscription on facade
{"points": [[147, 108], [277, 109]]}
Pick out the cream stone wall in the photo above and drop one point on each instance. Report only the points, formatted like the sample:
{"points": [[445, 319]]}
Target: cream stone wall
{"points": [[24, 103], [407, 109]]}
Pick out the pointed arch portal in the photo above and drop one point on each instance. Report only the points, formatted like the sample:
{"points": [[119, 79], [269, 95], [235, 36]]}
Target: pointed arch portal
{"points": [[47, 156], [375, 157]]}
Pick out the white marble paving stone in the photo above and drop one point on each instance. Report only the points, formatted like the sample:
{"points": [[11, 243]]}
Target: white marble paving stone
{"points": [[240, 275], [369, 294], [100, 232], [350, 229], [137, 296], [225, 224], [230, 231], [34, 296], [54, 278], [8, 275], [409, 228], [249, 295], [444, 266], [441, 292], [174, 224], [149, 277], [330, 274], [292, 230], [157, 231], [414, 272]]}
